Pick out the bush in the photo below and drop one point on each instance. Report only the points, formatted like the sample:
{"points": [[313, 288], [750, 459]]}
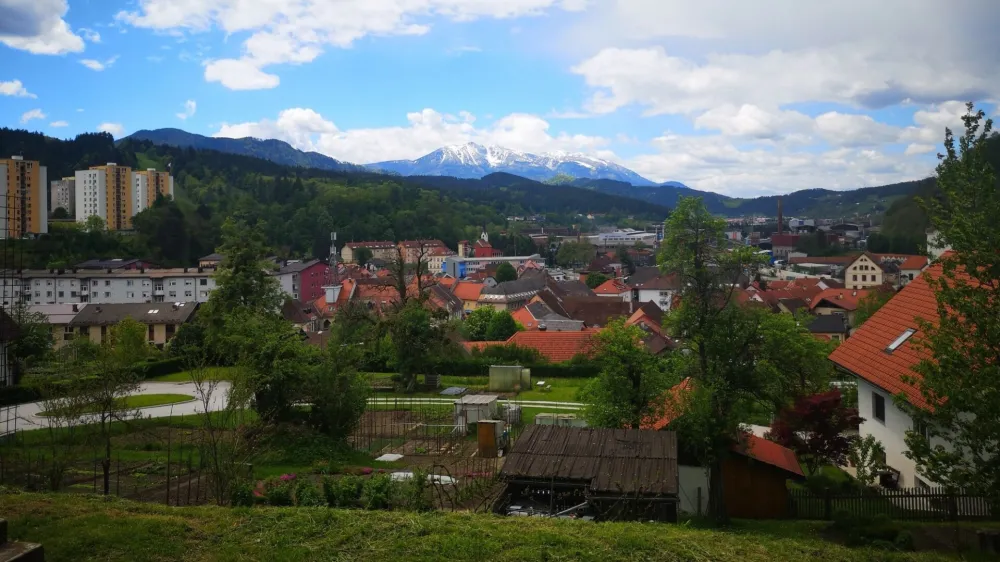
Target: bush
{"points": [[278, 491], [414, 494], [904, 541], [875, 530], [343, 492], [242, 495], [308, 495], [10, 395], [376, 493], [161, 367]]}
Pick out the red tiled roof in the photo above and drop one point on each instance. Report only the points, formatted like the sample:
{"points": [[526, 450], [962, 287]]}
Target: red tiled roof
{"points": [[447, 281], [556, 346], [611, 287], [784, 239], [751, 446], [480, 345], [906, 261], [374, 244], [467, 291], [846, 299], [864, 353]]}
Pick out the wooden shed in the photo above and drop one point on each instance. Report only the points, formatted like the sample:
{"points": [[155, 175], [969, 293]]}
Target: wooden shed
{"points": [[610, 474], [754, 480]]}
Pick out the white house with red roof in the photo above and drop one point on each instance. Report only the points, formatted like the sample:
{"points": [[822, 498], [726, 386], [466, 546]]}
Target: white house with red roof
{"points": [[882, 355]]}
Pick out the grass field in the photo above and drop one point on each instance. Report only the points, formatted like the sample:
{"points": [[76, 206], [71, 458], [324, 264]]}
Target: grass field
{"points": [[79, 527], [213, 373], [143, 401]]}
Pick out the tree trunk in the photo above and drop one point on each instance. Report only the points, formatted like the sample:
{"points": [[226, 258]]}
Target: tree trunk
{"points": [[716, 493], [106, 464]]}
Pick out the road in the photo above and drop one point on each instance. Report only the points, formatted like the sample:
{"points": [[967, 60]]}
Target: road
{"points": [[23, 417]]}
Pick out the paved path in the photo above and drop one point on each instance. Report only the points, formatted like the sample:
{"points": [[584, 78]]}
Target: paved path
{"points": [[23, 417]]}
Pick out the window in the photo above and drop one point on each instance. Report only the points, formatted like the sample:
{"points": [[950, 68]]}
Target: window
{"points": [[107, 294], [187, 293], [48, 293], [107, 282], [900, 340], [172, 294], [129, 294], [203, 282], [878, 406], [921, 429], [61, 294], [129, 283], [855, 278], [864, 278]]}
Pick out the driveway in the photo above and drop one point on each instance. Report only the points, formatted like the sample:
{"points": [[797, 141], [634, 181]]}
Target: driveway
{"points": [[23, 417]]}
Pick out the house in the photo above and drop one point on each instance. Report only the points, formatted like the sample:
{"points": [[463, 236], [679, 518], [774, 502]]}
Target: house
{"points": [[511, 295], [415, 250], [468, 292], [935, 245], [538, 316], [649, 318], [556, 347], [435, 257], [882, 354], [614, 288], [483, 249], [115, 264], [441, 298], [59, 317], [649, 284], [754, 476], [593, 311], [840, 302], [607, 474], [211, 261], [381, 249], [303, 279], [829, 327], [9, 331], [872, 270], [783, 244], [161, 319], [303, 316]]}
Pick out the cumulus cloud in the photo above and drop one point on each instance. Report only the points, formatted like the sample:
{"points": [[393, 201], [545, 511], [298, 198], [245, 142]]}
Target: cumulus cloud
{"points": [[99, 65], [37, 26], [90, 35], [189, 108], [32, 114], [15, 88], [297, 31], [56, 124], [116, 129], [426, 130]]}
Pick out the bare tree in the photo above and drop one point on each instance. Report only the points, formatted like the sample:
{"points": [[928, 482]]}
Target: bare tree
{"points": [[410, 264]]}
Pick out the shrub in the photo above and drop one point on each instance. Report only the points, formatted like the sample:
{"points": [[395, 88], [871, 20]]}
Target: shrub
{"points": [[10, 395], [376, 492], [278, 491], [343, 492], [875, 530], [904, 541], [242, 495], [308, 495], [414, 494]]}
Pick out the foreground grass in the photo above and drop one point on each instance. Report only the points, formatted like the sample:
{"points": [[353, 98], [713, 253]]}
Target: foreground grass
{"points": [[139, 401], [74, 527], [211, 373]]}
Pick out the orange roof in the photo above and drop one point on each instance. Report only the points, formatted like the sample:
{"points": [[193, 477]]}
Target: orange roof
{"points": [[447, 281], [326, 309], [611, 287], [864, 353], [846, 299], [523, 316], [750, 445], [480, 345], [467, 291], [556, 346], [906, 261]]}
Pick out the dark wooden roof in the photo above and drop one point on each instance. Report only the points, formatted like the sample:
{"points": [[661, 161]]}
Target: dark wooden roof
{"points": [[607, 461], [9, 330]]}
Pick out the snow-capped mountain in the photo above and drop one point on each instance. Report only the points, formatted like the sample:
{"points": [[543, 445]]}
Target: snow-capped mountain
{"points": [[473, 160]]}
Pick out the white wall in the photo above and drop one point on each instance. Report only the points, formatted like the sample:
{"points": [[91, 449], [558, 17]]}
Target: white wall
{"points": [[655, 296], [691, 478], [91, 194], [890, 433], [140, 183]]}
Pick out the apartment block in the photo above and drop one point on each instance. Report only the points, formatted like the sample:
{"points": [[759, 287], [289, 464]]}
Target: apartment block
{"points": [[37, 287], [91, 194], [62, 193], [147, 185], [24, 208]]}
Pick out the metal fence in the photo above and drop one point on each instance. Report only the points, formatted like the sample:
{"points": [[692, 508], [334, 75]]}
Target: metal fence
{"points": [[907, 504]]}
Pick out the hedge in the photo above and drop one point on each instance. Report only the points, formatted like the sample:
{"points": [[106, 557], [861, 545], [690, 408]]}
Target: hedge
{"points": [[161, 367], [10, 395]]}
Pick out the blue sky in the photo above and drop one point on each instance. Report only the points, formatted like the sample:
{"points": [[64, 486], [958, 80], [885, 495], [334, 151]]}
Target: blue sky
{"points": [[717, 94]]}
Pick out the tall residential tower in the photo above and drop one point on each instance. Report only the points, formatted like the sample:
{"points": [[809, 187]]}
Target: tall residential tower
{"points": [[24, 207]]}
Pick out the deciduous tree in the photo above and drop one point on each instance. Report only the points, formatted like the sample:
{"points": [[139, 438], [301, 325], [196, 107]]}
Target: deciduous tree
{"points": [[595, 280], [818, 428], [869, 305], [505, 272], [501, 327]]}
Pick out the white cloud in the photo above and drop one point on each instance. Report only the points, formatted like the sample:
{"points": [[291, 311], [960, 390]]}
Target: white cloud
{"points": [[753, 122], [116, 129], [426, 131], [931, 123], [32, 114], [99, 65], [59, 124], [239, 75], [79, 110], [189, 108], [15, 88], [297, 31], [843, 129], [37, 26], [90, 35]]}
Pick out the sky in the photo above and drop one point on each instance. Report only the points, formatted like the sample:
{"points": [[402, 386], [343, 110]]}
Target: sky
{"points": [[736, 97]]}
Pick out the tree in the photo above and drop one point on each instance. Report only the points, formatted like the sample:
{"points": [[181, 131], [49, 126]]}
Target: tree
{"points": [[733, 355], [339, 394], [413, 336], [869, 305], [477, 323], [866, 456], [818, 429], [574, 254], [628, 264], [33, 343], [595, 280], [505, 272], [501, 327], [60, 214], [362, 256], [94, 223], [954, 441], [628, 391]]}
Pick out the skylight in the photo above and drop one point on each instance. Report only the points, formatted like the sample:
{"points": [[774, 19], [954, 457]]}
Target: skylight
{"points": [[900, 340]]}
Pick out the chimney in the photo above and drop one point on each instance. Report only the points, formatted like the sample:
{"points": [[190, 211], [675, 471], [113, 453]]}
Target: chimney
{"points": [[542, 327], [781, 218], [76, 308]]}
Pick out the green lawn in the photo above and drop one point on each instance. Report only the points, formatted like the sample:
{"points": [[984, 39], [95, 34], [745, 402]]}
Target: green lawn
{"points": [[563, 389], [213, 373], [84, 527], [143, 401]]}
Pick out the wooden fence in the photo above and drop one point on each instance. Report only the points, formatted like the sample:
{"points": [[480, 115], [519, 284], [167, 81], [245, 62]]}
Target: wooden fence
{"points": [[908, 504]]}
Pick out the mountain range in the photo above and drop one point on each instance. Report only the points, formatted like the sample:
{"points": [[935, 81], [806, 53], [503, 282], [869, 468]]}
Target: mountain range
{"points": [[475, 161]]}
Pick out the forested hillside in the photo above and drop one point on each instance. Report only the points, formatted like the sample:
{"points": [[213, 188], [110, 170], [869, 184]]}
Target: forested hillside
{"points": [[297, 207]]}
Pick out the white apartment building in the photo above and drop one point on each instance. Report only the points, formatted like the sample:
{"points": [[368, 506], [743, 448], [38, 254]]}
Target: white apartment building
{"points": [[37, 287], [91, 194], [63, 194], [146, 185]]}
